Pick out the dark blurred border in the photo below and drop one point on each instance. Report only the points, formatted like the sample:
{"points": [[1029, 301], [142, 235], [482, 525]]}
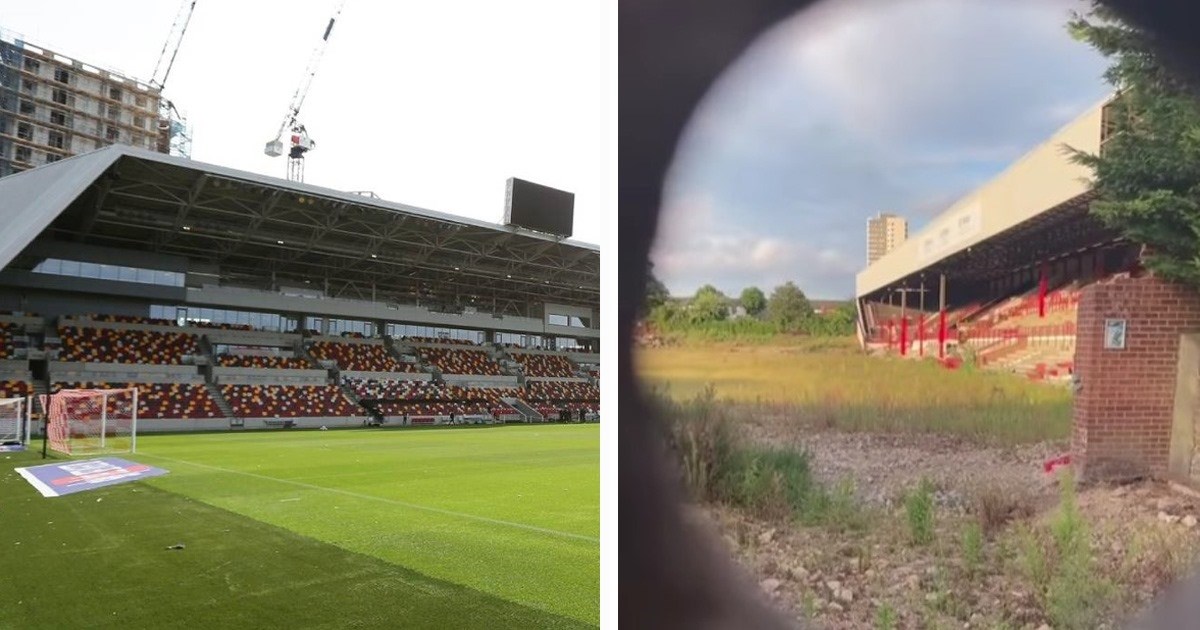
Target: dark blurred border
{"points": [[671, 51]]}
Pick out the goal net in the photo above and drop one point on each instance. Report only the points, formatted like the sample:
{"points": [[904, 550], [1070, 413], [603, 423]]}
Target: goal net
{"points": [[85, 421], [14, 421]]}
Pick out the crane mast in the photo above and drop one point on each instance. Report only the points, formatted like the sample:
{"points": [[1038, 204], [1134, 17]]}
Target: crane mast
{"points": [[299, 142]]}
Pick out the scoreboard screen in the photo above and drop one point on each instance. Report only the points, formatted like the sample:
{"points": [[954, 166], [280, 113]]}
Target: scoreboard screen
{"points": [[537, 207]]}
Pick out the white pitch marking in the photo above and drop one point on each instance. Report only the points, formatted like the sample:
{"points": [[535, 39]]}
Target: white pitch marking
{"points": [[414, 506]]}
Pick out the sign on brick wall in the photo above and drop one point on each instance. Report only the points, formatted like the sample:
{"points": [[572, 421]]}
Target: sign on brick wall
{"points": [[1114, 334]]}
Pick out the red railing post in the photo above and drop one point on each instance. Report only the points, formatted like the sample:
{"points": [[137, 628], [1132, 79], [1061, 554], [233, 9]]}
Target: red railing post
{"points": [[942, 334], [1043, 287]]}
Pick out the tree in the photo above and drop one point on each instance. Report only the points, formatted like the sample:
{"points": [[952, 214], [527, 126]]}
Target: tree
{"points": [[1148, 175], [753, 301], [656, 291], [788, 307], [708, 305]]}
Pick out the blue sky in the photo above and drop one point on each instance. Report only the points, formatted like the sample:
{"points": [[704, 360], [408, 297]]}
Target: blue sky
{"points": [[839, 114]]}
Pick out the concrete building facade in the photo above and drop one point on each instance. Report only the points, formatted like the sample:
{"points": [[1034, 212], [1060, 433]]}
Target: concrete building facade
{"points": [[885, 232], [53, 107]]}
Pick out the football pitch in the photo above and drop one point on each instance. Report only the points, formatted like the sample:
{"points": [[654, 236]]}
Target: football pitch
{"points": [[495, 527]]}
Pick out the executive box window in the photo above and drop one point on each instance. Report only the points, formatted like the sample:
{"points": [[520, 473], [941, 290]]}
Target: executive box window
{"points": [[555, 319], [78, 269]]}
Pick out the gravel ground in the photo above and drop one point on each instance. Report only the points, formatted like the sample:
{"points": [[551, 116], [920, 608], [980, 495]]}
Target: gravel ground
{"points": [[1142, 535], [883, 467]]}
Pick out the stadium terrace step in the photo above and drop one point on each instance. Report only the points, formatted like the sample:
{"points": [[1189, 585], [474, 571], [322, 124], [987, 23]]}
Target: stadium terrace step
{"points": [[530, 414], [215, 393]]}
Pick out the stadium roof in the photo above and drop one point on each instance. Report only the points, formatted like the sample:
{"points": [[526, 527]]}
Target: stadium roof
{"points": [[255, 231], [1027, 212]]}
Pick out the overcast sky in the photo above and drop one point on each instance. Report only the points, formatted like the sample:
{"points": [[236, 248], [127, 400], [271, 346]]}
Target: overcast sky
{"points": [[835, 117], [434, 104]]}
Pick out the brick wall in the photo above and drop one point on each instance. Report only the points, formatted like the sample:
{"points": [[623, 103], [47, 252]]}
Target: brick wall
{"points": [[1124, 411]]}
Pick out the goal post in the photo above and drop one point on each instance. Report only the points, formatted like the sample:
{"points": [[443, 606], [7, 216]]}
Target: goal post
{"points": [[86, 421], [14, 421]]}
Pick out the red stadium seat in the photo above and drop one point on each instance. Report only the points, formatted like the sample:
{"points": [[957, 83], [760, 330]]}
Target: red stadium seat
{"points": [[109, 345], [545, 365], [162, 400], [359, 357], [474, 362], [265, 362], [288, 401]]}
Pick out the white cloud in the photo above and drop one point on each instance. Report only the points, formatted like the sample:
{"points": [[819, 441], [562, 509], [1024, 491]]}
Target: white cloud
{"points": [[700, 243], [881, 62]]}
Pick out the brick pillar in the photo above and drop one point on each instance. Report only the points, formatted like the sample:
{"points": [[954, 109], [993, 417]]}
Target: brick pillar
{"points": [[1125, 407]]}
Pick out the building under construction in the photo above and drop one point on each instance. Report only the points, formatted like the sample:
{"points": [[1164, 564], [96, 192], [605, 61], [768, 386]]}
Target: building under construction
{"points": [[53, 106]]}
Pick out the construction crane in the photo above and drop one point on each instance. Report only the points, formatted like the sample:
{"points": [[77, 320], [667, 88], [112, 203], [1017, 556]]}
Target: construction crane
{"points": [[172, 127], [300, 142], [174, 39]]}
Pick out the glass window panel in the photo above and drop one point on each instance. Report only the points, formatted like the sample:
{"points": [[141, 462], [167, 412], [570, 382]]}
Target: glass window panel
{"points": [[145, 276], [127, 274], [70, 268]]}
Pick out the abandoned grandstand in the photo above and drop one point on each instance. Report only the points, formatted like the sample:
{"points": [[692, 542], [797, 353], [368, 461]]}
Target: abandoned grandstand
{"points": [[233, 300], [998, 276]]}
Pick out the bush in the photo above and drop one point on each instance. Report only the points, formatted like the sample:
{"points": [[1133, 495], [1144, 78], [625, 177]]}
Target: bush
{"points": [[1072, 593], [702, 438], [768, 481], [972, 544], [1076, 594], [919, 509], [994, 507], [885, 617], [773, 483]]}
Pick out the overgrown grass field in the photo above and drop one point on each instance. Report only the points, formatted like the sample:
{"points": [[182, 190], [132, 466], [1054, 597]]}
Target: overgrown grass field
{"points": [[829, 383], [456, 528]]}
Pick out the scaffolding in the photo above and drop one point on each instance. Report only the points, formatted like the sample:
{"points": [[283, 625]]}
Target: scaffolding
{"points": [[53, 106]]}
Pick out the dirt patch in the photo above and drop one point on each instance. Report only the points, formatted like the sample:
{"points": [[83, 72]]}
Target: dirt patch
{"points": [[883, 467], [1141, 536]]}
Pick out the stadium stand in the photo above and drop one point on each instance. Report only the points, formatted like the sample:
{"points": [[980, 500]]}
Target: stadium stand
{"points": [[448, 361], [404, 390], [556, 395], [110, 345], [161, 400], [7, 347], [124, 303], [15, 388], [545, 365], [288, 401], [262, 362], [358, 357]]}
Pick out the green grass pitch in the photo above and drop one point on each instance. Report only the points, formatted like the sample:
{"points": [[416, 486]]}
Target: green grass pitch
{"points": [[456, 528]]}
